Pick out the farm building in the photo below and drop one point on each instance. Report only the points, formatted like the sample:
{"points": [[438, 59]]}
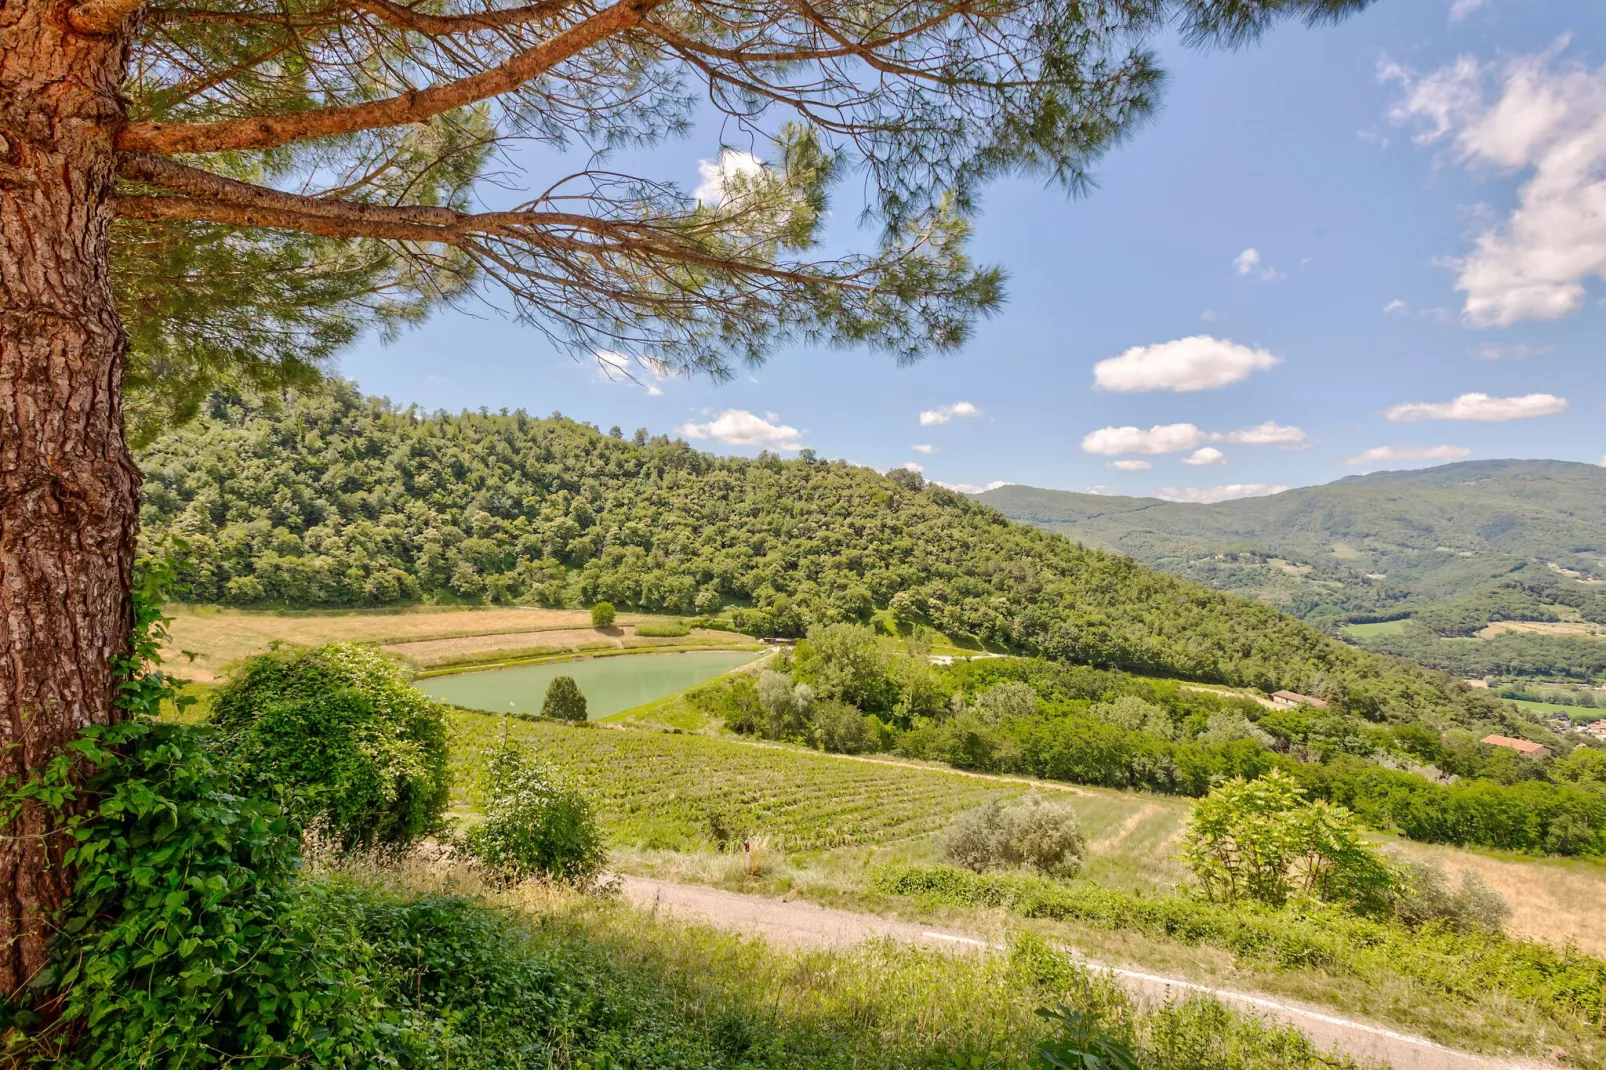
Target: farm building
{"points": [[1287, 700]]}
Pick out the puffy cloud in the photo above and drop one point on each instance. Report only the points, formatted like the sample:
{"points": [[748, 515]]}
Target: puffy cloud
{"points": [[1512, 352], [1131, 466], [1162, 438], [1102, 489], [1270, 433], [1185, 365], [1381, 454], [1481, 407], [943, 413], [1226, 492], [1395, 305], [613, 367], [1603, 462], [971, 488], [924, 447], [1180, 438], [913, 467], [1248, 263], [1462, 8], [1205, 455], [1538, 116], [733, 168], [738, 427]]}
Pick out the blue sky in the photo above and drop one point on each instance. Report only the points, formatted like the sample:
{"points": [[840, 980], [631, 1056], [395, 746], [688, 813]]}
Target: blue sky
{"points": [[1341, 250]]}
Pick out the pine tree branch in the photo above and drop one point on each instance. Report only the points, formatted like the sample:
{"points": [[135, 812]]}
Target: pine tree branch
{"points": [[101, 16], [441, 25], [224, 200], [268, 132]]}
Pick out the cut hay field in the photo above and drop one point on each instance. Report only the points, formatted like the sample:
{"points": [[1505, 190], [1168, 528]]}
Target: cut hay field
{"points": [[1544, 627], [429, 636]]}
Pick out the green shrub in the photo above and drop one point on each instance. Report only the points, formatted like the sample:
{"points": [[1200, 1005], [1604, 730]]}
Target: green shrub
{"points": [[1262, 840], [663, 629], [1046, 837], [185, 919], [839, 728], [534, 826], [351, 750], [786, 705], [1426, 897], [564, 701], [602, 615]]}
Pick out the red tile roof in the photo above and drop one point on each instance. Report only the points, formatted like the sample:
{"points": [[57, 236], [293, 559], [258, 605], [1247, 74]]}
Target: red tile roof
{"points": [[1521, 746]]}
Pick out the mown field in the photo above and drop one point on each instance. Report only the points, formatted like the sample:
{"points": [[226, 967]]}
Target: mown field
{"points": [[427, 636]]}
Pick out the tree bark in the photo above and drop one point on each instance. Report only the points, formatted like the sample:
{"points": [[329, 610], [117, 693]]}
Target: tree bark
{"points": [[69, 490]]}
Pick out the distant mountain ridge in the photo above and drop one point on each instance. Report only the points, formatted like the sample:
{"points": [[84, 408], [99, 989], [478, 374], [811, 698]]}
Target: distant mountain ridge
{"points": [[1366, 547]]}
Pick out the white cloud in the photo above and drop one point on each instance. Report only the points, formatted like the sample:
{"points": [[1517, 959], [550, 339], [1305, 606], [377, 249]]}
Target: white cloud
{"points": [[1381, 454], [1395, 305], [1162, 438], [1205, 455], [1206, 495], [1462, 8], [943, 413], [615, 367], [1512, 352], [1481, 407], [1544, 119], [924, 447], [913, 467], [1185, 365], [721, 177], [1102, 489], [1131, 466], [971, 488], [1270, 433], [1248, 263], [738, 427], [1180, 438], [1603, 462]]}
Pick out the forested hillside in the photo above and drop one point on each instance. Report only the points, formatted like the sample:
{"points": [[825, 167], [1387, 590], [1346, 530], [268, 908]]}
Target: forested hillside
{"points": [[1485, 540], [344, 500]]}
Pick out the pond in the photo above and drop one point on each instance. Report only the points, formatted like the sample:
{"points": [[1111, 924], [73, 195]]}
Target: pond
{"points": [[609, 684]]}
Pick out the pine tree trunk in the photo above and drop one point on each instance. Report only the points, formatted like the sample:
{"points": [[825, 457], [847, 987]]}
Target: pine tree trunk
{"points": [[69, 491]]}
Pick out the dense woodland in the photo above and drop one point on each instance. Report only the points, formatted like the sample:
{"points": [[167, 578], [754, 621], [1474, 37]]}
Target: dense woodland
{"points": [[341, 500]]}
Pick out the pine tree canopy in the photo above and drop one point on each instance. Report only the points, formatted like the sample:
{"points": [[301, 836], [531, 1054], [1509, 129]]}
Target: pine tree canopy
{"points": [[296, 172]]}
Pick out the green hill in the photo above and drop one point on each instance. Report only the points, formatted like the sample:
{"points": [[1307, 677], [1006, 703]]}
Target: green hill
{"points": [[345, 500], [1466, 543]]}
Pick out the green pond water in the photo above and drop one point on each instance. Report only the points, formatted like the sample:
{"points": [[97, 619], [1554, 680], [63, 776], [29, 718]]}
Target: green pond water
{"points": [[609, 684]]}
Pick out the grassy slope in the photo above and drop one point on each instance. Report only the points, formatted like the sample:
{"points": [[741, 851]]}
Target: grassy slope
{"points": [[829, 820]]}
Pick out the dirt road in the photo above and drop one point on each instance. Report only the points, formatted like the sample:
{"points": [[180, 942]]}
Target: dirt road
{"points": [[804, 924]]}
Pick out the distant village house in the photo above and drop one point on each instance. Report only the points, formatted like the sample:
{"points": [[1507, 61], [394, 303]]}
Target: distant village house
{"points": [[1521, 746], [1287, 700]]}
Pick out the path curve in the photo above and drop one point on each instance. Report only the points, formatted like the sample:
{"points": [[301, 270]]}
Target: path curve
{"points": [[805, 924]]}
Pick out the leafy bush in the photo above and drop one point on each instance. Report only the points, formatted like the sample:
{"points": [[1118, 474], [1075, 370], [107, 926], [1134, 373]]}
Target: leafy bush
{"points": [[1426, 897], [564, 701], [533, 826], [786, 705], [1045, 836], [602, 615], [841, 729], [185, 914], [350, 749], [663, 629], [1262, 840]]}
